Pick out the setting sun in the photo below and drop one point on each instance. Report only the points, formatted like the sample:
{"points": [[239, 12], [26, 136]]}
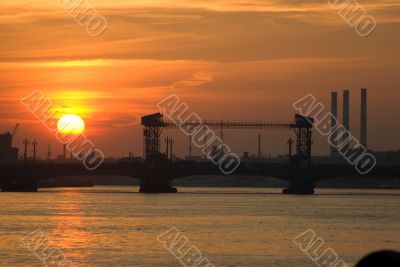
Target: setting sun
{"points": [[71, 124]]}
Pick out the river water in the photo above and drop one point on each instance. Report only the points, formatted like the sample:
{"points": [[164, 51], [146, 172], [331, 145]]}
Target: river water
{"points": [[114, 226]]}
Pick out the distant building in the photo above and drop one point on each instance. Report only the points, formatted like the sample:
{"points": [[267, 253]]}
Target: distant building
{"points": [[8, 154]]}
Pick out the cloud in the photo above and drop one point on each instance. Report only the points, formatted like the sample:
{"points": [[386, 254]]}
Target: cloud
{"points": [[194, 30], [197, 80]]}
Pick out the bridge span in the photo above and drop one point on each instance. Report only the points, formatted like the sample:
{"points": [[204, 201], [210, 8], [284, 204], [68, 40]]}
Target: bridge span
{"points": [[157, 177]]}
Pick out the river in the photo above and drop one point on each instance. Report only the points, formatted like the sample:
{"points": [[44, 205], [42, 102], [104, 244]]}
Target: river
{"points": [[114, 226]]}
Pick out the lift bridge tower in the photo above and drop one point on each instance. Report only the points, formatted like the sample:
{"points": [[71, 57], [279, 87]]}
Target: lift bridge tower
{"points": [[303, 129], [153, 126]]}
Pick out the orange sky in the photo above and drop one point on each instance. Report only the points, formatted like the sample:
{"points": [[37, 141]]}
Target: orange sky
{"points": [[247, 60]]}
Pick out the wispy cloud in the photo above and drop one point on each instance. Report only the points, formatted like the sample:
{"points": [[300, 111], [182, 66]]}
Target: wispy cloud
{"points": [[191, 30]]}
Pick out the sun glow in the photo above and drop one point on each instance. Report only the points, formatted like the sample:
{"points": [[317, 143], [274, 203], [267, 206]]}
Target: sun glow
{"points": [[71, 124]]}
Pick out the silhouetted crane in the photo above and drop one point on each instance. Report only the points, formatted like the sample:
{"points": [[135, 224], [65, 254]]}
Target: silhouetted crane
{"points": [[25, 143]]}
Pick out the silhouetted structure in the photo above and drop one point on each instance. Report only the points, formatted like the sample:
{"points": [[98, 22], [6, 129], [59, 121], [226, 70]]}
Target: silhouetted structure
{"points": [[64, 151], [25, 143], [190, 146], [157, 171], [8, 154], [156, 176], [363, 119], [48, 152], [290, 144], [333, 135], [34, 144], [153, 125], [302, 126], [346, 118]]}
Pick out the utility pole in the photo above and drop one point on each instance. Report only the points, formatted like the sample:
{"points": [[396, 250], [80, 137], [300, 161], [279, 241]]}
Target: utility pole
{"points": [[290, 143], [205, 140], [259, 145], [190, 145], [171, 142], [65, 151], [26, 143], [167, 149], [48, 152], [222, 138], [34, 143], [222, 132]]}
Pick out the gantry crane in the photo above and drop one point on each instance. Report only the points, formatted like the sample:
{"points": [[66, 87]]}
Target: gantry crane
{"points": [[302, 126]]}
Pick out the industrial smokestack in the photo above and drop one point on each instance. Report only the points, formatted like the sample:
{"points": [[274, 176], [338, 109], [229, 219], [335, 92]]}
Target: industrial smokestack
{"points": [[333, 124], [363, 121], [346, 117]]}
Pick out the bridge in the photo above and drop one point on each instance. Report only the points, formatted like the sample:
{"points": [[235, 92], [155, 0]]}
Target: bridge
{"points": [[297, 172], [157, 171], [156, 177]]}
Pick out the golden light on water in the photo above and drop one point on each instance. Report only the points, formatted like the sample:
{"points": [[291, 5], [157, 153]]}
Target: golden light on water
{"points": [[71, 124]]}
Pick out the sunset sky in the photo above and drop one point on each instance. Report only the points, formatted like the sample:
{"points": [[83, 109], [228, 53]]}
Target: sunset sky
{"points": [[230, 59]]}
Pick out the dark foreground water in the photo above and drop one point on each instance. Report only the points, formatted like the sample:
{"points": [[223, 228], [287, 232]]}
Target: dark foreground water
{"points": [[112, 226]]}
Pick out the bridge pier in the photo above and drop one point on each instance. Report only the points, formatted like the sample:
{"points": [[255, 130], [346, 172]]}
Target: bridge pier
{"points": [[19, 186], [297, 187], [153, 186]]}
